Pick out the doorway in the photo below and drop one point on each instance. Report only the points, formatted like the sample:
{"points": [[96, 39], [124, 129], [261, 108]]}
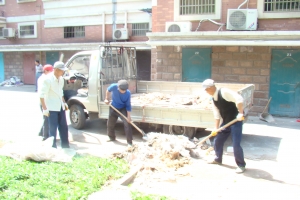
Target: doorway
{"points": [[196, 64], [285, 83]]}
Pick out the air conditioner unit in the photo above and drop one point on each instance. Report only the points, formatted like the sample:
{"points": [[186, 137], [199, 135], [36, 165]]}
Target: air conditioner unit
{"points": [[178, 26], [121, 34], [8, 32], [242, 19]]}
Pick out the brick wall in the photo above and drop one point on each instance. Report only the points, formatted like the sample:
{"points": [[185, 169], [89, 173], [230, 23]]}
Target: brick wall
{"points": [[230, 64]]}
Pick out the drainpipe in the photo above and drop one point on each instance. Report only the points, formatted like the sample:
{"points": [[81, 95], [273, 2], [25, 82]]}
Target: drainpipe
{"points": [[114, 2], [103, 27], [126, 16]]}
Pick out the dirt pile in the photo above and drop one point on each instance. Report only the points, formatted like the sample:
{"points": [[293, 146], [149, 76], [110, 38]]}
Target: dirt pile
{"points": [[201, 100], [162, 151]]}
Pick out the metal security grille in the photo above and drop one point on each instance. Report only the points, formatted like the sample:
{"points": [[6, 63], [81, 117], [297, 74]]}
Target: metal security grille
{"points": [[74, 32], [26, 30], [140, 29], [194, 7], [282, 5]]}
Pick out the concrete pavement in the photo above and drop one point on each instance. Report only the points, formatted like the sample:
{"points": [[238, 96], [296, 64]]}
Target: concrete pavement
{"points": [[271, 150]]}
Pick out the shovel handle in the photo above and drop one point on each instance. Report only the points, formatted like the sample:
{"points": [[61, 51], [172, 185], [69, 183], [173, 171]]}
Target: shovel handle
{"points": [[267, 105], [219, 129], [135, 126]]}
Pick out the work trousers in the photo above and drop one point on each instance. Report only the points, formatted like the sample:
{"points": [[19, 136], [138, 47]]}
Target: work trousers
{"points": [[112, 120], [37, 76], [236, 134], [57, 120], [44, 132]]}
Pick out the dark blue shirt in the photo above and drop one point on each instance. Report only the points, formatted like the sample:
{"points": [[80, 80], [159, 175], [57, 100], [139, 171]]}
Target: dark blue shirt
{"points": [[120, 100]]}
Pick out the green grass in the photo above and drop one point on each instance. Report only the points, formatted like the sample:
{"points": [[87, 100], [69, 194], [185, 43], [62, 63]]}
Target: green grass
{"points": [[135, 195], [48, 180]]}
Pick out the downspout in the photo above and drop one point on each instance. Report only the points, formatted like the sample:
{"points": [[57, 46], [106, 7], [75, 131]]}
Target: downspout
{"points": [[103, 27], [126, 16], [114, 2]]}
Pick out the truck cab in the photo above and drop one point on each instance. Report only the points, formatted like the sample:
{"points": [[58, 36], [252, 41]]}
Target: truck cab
{"points": [[88, 76]]}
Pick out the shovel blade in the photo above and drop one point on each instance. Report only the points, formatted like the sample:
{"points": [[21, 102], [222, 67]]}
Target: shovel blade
{"points": [[266, 117]]}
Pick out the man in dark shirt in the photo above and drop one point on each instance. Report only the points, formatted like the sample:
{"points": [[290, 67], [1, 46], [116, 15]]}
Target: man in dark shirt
{"points": [[121, 100], [227, 106]]}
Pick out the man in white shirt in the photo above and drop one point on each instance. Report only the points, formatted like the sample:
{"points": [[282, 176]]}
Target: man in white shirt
{"points": [[227, 105], [54, 105], [44, 132]]}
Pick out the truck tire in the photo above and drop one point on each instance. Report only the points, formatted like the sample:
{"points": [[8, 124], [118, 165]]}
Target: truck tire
{"points": [[77, 116], [190, 132], [174, 130]]}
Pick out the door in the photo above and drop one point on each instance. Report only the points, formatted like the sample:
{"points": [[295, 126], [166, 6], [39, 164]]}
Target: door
{"points": [[143, 61], [29, 68], [285, 83], [1, 68], [196, 64], [51, 57]]}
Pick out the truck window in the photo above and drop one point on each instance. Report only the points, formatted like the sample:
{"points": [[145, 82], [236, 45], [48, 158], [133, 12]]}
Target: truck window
{"points": [[80, 65]]}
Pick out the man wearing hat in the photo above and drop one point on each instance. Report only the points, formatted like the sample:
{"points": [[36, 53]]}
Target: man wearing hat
{"points": [[54, 105], [121, 100], [227, 105], [44, 132]]}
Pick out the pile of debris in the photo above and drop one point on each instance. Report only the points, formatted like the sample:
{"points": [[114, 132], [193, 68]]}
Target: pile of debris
{"points": [[161, 151], [201, 100], [13, 81]]}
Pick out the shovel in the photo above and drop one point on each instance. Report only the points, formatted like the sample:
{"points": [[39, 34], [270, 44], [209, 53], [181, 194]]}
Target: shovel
{"points": [[145, 137], [266, 116], [219, 129]]}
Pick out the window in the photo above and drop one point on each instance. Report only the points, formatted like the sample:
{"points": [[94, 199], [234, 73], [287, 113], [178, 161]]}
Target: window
{"points": [[2, 2], [282, 8], [80, 65], [191, 10], [27, 30], [24, 1], [140, 29], [196, 7], [74, 32], [281, 5]]}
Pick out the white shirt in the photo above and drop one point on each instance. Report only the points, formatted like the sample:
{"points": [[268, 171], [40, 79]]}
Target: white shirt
{"points": [[52, 92], [228, 95]]}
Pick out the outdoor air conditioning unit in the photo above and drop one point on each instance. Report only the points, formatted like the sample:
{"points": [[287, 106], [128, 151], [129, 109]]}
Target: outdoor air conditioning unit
{"points": [[121, 34], [242, 19], [178, 26], [8, 32]]}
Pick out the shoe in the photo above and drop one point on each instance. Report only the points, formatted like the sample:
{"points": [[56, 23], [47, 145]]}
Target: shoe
{"points": [[111, 139], [129, 145], [240, 170], [214, 162]]}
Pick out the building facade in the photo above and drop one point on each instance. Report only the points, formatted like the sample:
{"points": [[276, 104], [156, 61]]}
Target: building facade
{"points": [[240, 41], [246, 41]]}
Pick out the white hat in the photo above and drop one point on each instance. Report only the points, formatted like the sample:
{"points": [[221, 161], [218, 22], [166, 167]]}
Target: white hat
{"points": [[59, 65], [208, 83]]}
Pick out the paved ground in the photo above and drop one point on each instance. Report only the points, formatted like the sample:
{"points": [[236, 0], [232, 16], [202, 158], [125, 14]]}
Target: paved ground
{"points": [[271, 150]]}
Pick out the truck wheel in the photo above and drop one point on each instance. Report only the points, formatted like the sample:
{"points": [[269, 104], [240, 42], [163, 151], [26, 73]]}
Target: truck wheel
{"points": [[177, 130], [77, 116], [190, 132]]}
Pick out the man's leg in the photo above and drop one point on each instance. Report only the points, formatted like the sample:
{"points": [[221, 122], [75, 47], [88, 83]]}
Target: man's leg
{"points": [[127, 126], [219, 143], [111, 122], [53, 124], [45, 128], [236, 133], [63, 129]]}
